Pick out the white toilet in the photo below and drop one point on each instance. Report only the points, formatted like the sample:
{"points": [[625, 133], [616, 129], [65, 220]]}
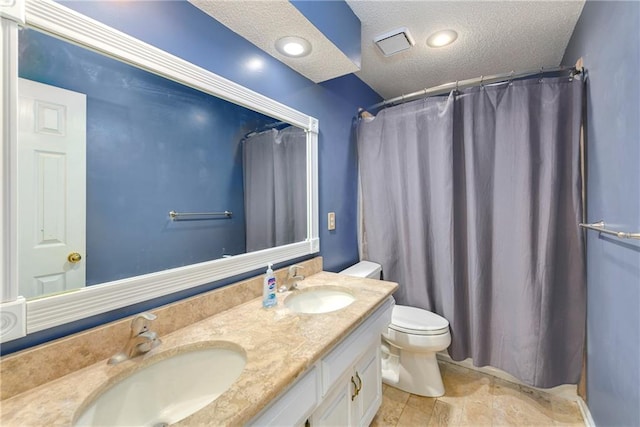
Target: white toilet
{"points": [[410, 344]]}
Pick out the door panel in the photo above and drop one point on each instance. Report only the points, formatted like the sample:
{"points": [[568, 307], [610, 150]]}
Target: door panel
{"points": [[369, 372], [335, 411], [51, 189]]}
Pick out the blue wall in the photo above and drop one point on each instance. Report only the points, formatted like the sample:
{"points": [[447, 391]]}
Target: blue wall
{"points": [[608, 39], [153, 146], [183, 30]]}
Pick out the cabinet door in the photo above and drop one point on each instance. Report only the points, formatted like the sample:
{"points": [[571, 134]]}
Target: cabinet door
{"points": [[335, 411], [369, 375], [294, 406]]}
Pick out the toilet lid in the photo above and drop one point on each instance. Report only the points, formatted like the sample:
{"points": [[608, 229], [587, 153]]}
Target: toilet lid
{"points": [[413, 320]]}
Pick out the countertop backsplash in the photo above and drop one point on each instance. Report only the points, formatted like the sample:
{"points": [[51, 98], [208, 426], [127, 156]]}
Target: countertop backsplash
{"points": [[30, 368]]}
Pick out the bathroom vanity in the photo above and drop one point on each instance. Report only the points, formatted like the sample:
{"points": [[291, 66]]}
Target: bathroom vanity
{"points": [[322, 367], [343, 388]]}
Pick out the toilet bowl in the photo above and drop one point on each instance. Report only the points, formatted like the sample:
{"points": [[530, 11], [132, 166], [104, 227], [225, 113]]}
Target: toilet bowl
{"points": [[410, 343]]}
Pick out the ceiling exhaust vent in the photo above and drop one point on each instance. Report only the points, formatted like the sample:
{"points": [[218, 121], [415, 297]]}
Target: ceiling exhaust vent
{"points": [[394, 41]]}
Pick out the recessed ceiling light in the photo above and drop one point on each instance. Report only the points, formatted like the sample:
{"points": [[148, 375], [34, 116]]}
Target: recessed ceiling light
{"points": [[442, 38], [293, 46]]}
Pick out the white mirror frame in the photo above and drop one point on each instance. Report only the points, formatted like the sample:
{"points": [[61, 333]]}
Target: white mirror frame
{"points": [[20, 317]]}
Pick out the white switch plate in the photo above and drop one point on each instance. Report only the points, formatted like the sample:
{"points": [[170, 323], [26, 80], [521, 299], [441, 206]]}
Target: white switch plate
{"points": [[331, 221]]}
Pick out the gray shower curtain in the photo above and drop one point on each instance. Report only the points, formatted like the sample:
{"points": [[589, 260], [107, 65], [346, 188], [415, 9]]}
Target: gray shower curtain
{"points": [[471, 202], [275, 188]]}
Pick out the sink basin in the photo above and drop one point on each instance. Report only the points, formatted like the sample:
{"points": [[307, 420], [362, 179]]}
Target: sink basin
{"points": [[169, 390], [319, 299]]}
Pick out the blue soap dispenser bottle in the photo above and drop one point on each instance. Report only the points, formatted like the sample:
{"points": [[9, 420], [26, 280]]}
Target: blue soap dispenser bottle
{"points": [[269, 289]]}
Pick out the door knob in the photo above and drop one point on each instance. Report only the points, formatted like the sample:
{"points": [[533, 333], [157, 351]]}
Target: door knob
{"points": [[74, 257]]}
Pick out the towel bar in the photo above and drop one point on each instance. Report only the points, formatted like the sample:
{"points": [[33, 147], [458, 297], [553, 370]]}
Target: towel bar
{"points": [[600, 226], [176, 215]]}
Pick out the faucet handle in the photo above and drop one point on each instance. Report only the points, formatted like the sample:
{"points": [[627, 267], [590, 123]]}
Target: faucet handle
{"points": [[150, 341], [147, 315], [141, 323], [293, 270]]}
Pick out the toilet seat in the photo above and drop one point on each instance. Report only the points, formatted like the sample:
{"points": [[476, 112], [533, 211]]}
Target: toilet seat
{"points": [[416, 321]]}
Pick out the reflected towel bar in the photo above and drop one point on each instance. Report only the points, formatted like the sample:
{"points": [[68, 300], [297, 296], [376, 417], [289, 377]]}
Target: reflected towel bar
{"points": [[600, 226], [176, 215]]}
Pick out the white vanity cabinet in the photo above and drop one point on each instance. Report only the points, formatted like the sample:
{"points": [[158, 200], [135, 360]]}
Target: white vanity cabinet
{"points": [[356, 397], [343, 388]]}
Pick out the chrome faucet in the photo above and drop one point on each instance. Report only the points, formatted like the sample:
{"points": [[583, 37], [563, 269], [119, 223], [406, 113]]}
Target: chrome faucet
{"points": [[293, 277], [141, 339]]}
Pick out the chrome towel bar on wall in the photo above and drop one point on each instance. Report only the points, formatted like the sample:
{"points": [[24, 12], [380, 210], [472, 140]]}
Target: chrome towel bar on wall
{"points": [[176, 215], [600, 226]]}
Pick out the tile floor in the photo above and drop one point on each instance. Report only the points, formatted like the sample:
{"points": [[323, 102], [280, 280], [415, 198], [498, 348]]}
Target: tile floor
{"points": [[476, 399]]}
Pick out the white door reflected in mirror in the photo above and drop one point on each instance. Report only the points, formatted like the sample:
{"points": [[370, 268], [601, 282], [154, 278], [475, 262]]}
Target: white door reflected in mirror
{"points": [[51, 193]]}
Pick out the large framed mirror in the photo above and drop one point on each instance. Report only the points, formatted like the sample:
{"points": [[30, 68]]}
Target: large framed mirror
{"points": [[134, 174]]}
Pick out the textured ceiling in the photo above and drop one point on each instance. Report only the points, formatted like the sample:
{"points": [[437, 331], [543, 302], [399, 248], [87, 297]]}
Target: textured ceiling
{"points": [[263, 22], [493, 38]]}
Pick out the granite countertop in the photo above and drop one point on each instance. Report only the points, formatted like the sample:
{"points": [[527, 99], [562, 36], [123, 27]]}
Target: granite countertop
{"points": [[280, 345]]}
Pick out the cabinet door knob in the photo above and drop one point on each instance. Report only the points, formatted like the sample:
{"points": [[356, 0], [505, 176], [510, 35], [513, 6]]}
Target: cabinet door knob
{"points": [[360, 382], [74, 257]]}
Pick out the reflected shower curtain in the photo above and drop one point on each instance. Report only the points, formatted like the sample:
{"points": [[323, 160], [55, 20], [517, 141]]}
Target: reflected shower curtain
{"points": [[471, 203], [275, 188]]}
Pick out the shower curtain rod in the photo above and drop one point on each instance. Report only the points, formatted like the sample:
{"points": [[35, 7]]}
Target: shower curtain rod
{"points": [[264, 128], [463, 84]]}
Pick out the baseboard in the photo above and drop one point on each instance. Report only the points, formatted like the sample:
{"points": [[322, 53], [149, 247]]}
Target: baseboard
{"points": [[586, 413]]}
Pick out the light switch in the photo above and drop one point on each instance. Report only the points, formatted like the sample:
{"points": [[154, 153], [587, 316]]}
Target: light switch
{"points": [[331, 221]]}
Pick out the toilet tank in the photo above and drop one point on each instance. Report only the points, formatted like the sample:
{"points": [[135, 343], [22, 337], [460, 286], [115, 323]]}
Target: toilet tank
{"points": [[366, 269]]}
